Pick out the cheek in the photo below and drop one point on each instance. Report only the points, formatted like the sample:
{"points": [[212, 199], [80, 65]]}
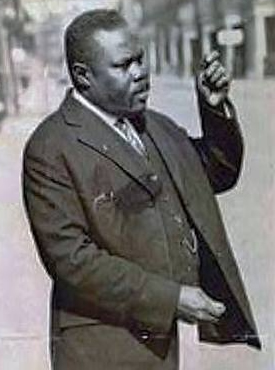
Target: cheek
{"points": [[118, 84]]}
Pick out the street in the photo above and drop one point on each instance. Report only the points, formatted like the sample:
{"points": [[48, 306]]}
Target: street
{"points": [[247, 210]]}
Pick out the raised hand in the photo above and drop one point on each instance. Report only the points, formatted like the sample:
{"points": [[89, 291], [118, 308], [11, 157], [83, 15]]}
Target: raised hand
{"points": [[213, 80]]}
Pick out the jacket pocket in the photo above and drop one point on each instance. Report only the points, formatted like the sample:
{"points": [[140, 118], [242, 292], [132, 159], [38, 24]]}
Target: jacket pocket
{"points": [[134, 198]]}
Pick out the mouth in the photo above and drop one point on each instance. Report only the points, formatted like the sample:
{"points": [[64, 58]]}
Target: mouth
{"points": [[142, 92], [143, 95], [143, 89]]}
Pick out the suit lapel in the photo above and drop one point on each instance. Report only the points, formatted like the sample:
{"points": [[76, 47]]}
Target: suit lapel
{"points": [[92, 132], [179, 167], [188, 176]]}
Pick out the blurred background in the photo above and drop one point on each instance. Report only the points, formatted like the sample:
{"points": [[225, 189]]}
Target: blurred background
{"points": [[176, 34]]}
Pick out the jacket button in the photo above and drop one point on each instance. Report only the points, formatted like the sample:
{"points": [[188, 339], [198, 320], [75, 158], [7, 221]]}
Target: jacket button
{"points": [[145, 335], [177, 219], [153, 178]]}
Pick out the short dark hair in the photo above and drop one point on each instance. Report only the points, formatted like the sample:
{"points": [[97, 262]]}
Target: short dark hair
{"points": [[80, 30]]}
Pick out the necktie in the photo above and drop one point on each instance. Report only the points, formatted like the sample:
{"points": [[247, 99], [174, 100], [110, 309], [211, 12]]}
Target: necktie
{"points": [[130, 135]]}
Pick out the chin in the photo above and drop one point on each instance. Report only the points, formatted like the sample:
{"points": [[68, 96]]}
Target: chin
{"points": [[139, 107], [138, 110], [134, 109]]}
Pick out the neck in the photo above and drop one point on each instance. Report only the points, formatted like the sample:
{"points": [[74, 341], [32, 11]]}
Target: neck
{"points": [[138, 120]]}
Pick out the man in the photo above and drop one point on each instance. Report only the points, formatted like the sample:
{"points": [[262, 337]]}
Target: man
{"points": [[121, 205]]}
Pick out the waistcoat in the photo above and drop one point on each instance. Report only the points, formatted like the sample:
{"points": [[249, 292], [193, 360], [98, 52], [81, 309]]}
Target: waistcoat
{"points": [[181, 239]]}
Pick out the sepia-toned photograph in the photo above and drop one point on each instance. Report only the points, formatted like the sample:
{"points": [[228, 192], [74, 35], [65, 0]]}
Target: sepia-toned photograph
{"points": [[137, 184]]}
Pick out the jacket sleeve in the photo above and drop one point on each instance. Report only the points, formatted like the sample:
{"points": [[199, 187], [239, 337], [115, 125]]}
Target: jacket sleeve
{"points": [[69, 253], [221, 146]]}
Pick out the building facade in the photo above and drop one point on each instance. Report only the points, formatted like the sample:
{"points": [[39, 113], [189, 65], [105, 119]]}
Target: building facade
{"points": [[15, 38], [178, 32]]}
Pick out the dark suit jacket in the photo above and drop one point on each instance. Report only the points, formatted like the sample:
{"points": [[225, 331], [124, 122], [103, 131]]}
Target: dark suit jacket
{"points": [[106, 262]]}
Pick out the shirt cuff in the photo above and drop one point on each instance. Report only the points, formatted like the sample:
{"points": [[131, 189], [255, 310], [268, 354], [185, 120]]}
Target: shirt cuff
{"points": [[225, 110]]}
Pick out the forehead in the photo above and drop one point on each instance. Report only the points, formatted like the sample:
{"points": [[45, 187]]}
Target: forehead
{"points": [[118, 43]]}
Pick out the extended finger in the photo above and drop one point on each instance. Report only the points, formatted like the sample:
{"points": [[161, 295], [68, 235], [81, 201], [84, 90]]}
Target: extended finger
{"points": [[205, 316], [218, 74], [214, 308], [217, 309], [212, 68], [211, 57], [192, 317], [223, 82], [188, 318]]}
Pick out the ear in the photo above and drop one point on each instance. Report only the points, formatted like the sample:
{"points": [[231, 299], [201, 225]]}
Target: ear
{"points": [[81, 75]]}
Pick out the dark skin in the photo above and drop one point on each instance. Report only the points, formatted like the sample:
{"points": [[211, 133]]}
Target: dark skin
{"points": [[213, 81], [117, 80]]}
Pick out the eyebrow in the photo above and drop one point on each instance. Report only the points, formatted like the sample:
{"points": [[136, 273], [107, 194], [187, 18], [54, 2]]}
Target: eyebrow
{"points": [[130, 58]]}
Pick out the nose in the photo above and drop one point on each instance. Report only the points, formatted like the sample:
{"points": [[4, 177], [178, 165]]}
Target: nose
{"points": [[140, 71]]}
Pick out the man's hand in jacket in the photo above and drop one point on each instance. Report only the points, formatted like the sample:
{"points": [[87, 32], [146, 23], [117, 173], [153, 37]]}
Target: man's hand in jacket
{"points": [[195, 305]]}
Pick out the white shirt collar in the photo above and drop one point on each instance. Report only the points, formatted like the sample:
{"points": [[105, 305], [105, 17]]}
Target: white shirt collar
{"points": [[105, 116], [110, 120]]}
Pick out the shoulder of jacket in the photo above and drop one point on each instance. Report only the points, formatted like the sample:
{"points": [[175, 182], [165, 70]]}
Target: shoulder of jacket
{"points": [[48, 135], [168, 123]]}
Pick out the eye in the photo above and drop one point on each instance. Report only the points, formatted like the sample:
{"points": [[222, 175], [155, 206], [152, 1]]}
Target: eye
{"points": [[126, 64], [140, 58], [123, 65]]}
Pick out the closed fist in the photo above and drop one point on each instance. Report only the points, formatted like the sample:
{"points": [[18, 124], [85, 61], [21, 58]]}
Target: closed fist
{"points": [[213, 80]]}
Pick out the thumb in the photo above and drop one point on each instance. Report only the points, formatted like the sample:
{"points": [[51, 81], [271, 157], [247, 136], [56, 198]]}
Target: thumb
{"points": [[214, 307], [201, 86]]}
